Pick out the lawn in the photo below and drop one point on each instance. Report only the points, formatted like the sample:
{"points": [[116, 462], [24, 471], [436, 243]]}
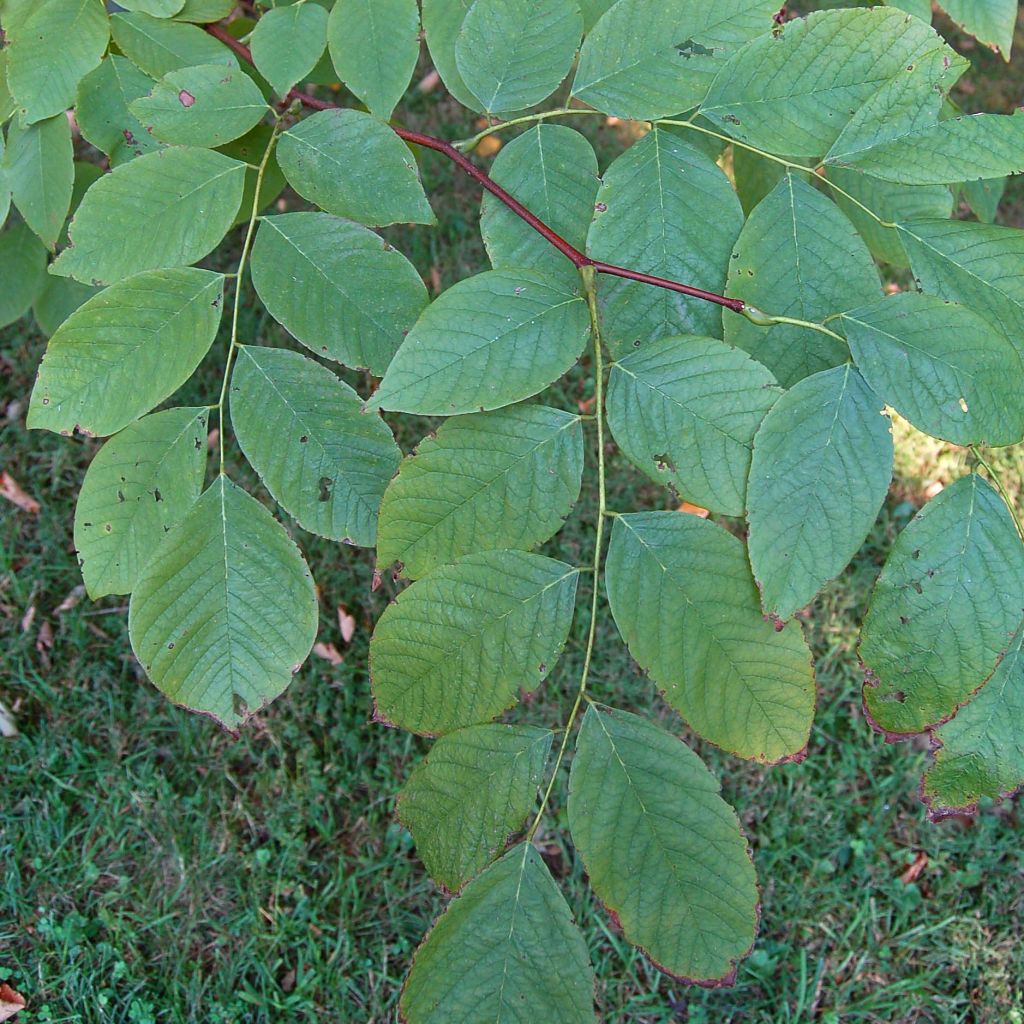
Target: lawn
{"points": [[157, 869]]}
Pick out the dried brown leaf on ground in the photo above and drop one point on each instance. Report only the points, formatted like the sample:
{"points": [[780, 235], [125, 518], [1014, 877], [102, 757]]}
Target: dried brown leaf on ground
{"points": [[12, 491], [10, 1002]]}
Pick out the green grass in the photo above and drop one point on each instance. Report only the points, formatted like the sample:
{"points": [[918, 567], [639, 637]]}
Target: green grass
{"points": [[157, 870]]}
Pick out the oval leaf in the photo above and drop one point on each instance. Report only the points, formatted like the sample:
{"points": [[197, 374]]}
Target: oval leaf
{"points": [[469, 794], [489, 341], [457, 646], [303, 431], [140, 484], [442, 22], [23, 258], [287, 43], [125, 350], [506, 948], [944, 609], [682, 596], [225, 612], [102, 111], [820, 472], [504, 479], [158, 46], [663, 850], [685, 411]]}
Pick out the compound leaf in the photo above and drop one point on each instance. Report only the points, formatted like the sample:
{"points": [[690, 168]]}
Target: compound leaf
{"points": [[941, 365], [58, 44], [39, 166], [209, 105], [303, 431], [663, 208], [503, 479], [140, 483], [469, 794], [359, 296], [351, 164], [945, 607], [981, 752], [685, 411], [287, 43], [225, 612], [102, 112], [374, 46], [489, 341], [505, 949], [165, 209], [646, 59], [552, 171], [511, 54], [663, 850], [457, 646], [158, 46], [794, 90], [683, 598], [125, 350], [800, 257], [820, 472]]}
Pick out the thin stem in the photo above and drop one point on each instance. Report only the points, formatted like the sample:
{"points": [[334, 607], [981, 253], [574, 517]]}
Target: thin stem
{"points": [[589, 279], [997, 480], [790, 164], [762, 319], [468, 145], [243, 260]]}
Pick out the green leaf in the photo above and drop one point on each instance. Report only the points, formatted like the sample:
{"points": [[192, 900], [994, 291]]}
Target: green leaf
{"points": [[7, 102], [374, 46], [593, 11], [154, 8], [225, 613], [891, 202], [513, 53], [23, 258], [204, 11], [208, 105], [918, 8], [552, 171], [287, 43], [303, 431], [990, 21], [756, 176], [442, 22], [664, 208], [359, 297], [663, 850], [685, 411], [469, 794], [504, 479], [489, 341], [59, 298], [979, 265], [821, 469], [984, 196], [506, 949], [158, 46], [945, 607], [353, 165], [59, 43], [981, 752], [140, 484], [962, 148], [125, 350], [940, 365], [250, 149], [458, 646], [794, 91], [683, 598], [165, 209], [797, 256], [646, 59], [39, 166], [103, 114]]}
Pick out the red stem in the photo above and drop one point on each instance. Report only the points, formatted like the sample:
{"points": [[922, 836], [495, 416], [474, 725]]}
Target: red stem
{"points": [[578, 259]]}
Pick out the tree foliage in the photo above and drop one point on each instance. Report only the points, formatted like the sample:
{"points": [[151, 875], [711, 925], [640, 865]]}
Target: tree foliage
{"points": [[740, 351]]}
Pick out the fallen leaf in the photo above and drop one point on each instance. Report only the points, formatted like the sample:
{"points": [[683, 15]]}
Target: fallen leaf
{"points": [[8, 730], [44, 640], [71, 600], [429, 82], [693, 510], [329, 653], [913, 872], [346, 623], [28, 618], [11, 490], [10, 1002]]}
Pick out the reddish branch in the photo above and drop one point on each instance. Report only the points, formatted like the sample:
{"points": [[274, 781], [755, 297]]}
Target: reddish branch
{"points": [[578, 259]]}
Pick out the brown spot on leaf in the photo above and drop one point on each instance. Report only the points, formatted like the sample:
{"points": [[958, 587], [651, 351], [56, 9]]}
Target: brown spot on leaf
{"points": [[185, 98]]}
